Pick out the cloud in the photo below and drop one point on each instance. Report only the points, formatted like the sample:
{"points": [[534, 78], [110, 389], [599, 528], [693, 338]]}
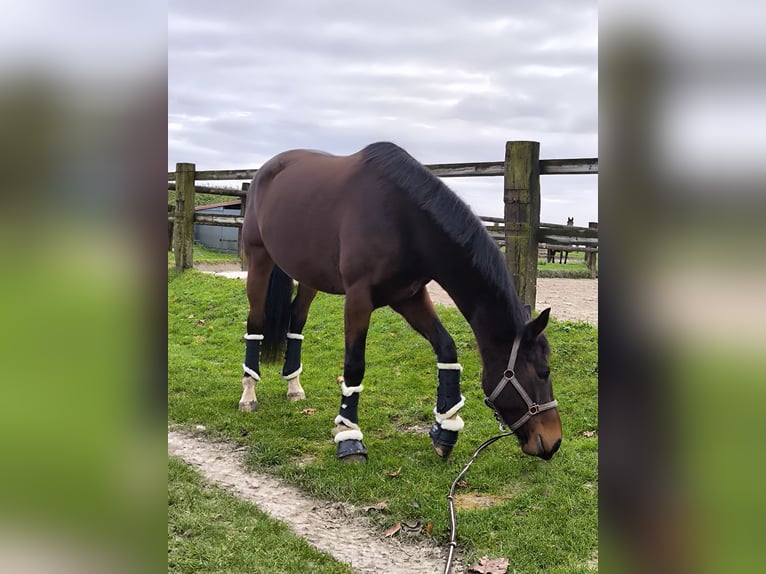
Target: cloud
{"points": [[446, 80]]}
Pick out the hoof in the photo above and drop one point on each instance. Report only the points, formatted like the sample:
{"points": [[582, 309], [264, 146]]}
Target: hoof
{"points": [[295, 390], [442, 450], [249, 407], [442, 440], [352, 451]]}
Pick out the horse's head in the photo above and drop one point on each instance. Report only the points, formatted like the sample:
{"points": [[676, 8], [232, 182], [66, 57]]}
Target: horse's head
{"points": [[522, 394]]}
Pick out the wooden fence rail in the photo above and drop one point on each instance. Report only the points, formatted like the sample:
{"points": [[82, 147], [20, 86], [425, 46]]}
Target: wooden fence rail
{"points": [[476, 169], [519, 230]]}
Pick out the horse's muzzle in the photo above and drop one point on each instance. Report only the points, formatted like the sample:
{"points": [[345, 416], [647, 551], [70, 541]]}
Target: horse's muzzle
{"points": [[537, 446], [543, 435]]}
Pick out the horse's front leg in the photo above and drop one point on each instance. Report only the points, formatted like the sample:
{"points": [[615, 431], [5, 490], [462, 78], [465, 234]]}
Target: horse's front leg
{"points": [[347, 434], [420, 314]]}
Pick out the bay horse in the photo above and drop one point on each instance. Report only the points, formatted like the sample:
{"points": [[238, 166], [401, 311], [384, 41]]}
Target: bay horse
{"points": [[563, 255], [377, 226]]}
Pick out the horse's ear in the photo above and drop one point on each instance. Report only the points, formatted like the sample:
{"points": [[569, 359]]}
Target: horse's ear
{"points": [[536, 326]]}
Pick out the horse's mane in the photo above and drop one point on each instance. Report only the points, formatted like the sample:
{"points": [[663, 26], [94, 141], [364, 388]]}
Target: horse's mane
{"points": [[450, 213]]}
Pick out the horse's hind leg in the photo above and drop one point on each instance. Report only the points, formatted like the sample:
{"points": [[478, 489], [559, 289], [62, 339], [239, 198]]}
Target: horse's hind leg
{"points": [[299, 312], [419, 313], [259, 267], [347, 434]]}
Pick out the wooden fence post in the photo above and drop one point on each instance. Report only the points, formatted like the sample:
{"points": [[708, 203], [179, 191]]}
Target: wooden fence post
{"points": [[240, 243], [183, 229], [592, 257], [521, 195], [171, 213]]}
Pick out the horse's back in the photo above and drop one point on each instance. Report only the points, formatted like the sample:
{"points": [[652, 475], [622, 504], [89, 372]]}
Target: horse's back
{"points": [[325, 219], [289, 186]]}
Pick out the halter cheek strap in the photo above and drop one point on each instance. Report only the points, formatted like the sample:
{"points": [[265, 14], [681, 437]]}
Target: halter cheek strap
{"points": [[509, 376]]}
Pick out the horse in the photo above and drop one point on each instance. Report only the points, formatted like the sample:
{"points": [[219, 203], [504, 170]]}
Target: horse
{"points": [[563, 255], [377, 226]]}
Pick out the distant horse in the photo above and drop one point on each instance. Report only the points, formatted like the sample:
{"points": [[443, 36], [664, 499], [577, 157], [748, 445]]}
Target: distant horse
{"points": [[563, 255], [377, 226]]}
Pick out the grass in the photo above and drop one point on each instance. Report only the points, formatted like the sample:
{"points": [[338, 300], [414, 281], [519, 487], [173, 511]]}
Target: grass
{"points": [[210, 530], [574, 268], [205, 198], [545, 516], [203, 254]]}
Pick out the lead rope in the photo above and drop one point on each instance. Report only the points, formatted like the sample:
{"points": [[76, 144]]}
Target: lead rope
{"points": [[453, 522]]}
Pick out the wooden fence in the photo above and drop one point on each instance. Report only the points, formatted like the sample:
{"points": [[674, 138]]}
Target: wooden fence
{"points": [[520, 228], [557, 237]]}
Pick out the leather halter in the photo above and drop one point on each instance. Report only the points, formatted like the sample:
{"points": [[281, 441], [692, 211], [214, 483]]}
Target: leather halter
{"points": [[509, 376]]}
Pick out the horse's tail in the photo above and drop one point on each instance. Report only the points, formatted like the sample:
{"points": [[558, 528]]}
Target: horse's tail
{"points": [[277, 321]]}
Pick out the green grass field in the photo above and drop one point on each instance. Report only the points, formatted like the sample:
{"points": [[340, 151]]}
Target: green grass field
{"points": [[204, 255], [205, 198], [213, 531], [575, 268], [541, 515]]}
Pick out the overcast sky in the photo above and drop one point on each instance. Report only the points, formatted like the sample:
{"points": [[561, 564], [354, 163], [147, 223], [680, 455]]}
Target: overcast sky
{"points": [[448, 80]]}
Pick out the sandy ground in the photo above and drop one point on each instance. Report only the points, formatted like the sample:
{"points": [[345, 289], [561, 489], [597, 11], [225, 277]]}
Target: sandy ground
{"points": [[569, 299], [326, 526]]}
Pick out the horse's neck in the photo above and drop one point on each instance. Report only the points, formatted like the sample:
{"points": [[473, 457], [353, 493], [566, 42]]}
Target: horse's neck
{"points": [[495, 328], [488, 314]]}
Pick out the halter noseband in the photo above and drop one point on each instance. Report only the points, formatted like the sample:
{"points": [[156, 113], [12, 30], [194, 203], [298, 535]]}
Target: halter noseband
{"points": [[509, 375]]}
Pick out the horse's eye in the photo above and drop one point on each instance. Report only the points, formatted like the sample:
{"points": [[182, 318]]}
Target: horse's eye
{"points": [[544, 373]]}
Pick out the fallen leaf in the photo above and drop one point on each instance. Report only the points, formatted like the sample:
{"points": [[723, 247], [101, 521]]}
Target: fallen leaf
{"points": [[390, 531], [380, 506], [415, 504], [487, 566], [462, 484], [395, 473], [308, 411], [201, 321], [340, 380], [429, 528], [190, 316], [589, 433]]}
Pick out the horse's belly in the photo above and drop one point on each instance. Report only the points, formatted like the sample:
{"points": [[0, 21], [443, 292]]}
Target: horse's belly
{"points": [[318, 278], [309, 259]]}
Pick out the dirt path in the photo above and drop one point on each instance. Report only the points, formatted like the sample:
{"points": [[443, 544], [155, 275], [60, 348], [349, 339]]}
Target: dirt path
{"points": [[569, 299], [326, 526]]}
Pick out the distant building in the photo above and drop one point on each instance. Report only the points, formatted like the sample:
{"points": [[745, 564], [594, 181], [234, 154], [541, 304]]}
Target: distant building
{"points": [[217, 237]]}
